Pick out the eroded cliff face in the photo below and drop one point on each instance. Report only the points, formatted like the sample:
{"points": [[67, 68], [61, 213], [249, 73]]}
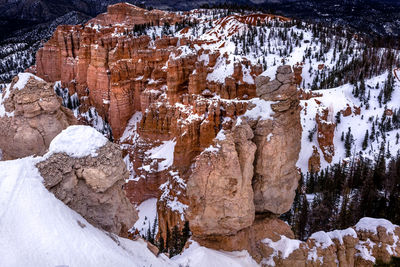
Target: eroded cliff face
{"points": [[31, 115], [248, 177], [122, 72], [200, 130]]}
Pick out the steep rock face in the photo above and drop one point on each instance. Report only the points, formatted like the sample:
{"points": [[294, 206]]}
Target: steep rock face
{"points": [[276, 176], [185, 92], [92, 186], [250, 237], [172, 81], [33, 117], [220, 186], [258, 151]]}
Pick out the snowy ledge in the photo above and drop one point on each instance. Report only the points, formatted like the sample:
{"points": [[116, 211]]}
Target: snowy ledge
{"points": [[77, 141]]}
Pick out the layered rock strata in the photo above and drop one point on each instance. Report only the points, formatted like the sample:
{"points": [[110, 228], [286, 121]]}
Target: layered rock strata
{"points": [[121, 71], [116, 65]]}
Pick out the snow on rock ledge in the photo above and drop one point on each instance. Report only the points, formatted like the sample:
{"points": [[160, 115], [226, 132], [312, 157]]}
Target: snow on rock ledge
{"points": [[370, 240], [87, 173], [77, 141]]}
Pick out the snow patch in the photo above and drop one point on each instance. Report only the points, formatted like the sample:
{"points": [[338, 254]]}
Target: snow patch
{"points": [[77, 141], [371, 225], [164, 151], [198, 256], [282, 248], [261, 111], [147, 214]]}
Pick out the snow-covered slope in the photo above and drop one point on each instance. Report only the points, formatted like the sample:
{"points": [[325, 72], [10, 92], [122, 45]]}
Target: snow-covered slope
{"points": [[341, 98], [39, 230]]}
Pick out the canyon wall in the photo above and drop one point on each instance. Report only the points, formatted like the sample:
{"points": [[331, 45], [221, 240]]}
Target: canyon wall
{"points": [[201, 130]]}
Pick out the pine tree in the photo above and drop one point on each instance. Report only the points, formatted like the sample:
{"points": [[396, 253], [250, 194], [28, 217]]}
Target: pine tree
{"points": [[153, 230], [338, 117], [373, 132], [303, 218], [348, 142], [362, 89], [365, 142], [185, 232], [175, 242], [149, 235]]}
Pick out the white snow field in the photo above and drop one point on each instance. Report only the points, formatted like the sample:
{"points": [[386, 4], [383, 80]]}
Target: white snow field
{"points": [[37, 229]]}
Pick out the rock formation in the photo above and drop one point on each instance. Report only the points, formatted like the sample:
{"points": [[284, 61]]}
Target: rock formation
{"points": [[172, 81], [278, 148], [91, 185], [314, 162], [250, 172], [120, 73], [33, 116], [220, 187], [326, 132], [362, 245]]}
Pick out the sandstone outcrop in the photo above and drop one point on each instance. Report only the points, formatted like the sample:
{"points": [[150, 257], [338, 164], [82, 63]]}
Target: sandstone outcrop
{"points": [[371, 240], [33, 116], [314, 162], [249, 172], [171, 79], [220, 188], [276, 176], [92, 186], [250, 238]]}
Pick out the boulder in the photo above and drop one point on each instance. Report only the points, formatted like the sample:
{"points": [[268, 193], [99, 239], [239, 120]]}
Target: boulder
{"points": [[33, 117], [92, 185]]}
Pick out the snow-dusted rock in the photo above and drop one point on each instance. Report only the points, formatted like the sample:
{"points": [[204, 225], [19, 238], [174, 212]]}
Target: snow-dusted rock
{"points": [[87, 173], [31, 115], [362, 245], [250, 170]]}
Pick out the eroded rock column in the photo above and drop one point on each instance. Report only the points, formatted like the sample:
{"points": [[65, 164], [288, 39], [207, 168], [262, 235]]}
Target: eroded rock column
{"points": [[241, 184]]}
